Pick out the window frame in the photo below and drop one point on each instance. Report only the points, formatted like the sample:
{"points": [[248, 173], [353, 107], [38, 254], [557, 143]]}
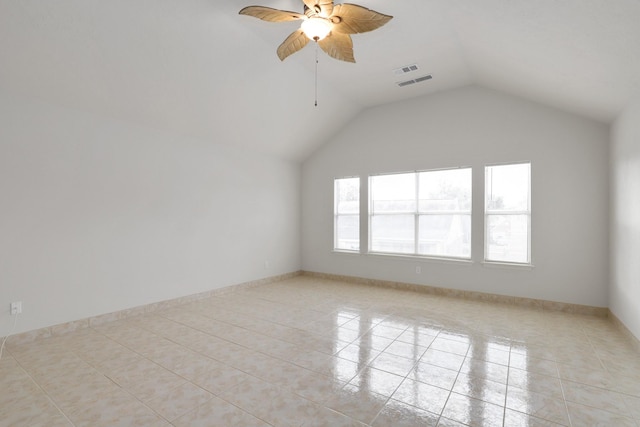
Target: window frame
{"points": [[417, 214], [336, 214], [489, 212]]}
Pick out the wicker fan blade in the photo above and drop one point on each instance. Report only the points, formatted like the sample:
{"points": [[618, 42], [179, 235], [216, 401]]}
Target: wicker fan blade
{"points": [[351, 19], [296, 41], [338, 46], [271, 15], [325, 7]]}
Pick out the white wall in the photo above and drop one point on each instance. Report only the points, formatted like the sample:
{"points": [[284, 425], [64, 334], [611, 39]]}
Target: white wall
{"points": [[98, 215], [473, 126], [624, 293]]}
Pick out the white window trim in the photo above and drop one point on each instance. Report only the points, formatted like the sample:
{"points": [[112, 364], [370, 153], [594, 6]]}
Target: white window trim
{"points": [[416, 218], [336, 215], [508, 265], [487, 213], [422, 258]]}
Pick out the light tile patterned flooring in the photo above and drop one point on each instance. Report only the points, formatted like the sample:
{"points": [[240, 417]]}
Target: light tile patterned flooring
{"points": [[313, 352]]}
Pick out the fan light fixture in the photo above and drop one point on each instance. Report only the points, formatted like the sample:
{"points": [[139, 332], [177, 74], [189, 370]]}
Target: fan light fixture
{"points": [[328, 24], [316, 28]]}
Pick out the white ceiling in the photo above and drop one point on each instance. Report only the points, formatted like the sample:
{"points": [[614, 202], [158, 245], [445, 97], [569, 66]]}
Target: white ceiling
{"points": [[198, 68]]}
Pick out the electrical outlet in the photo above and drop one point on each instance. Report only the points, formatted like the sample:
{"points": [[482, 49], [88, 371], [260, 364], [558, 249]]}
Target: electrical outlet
{"points": [[418, 270], [16, 307], [266, 265]]}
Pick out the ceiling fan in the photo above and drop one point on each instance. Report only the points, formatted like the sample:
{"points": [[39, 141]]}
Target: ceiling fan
{"points": [[323, 22]]}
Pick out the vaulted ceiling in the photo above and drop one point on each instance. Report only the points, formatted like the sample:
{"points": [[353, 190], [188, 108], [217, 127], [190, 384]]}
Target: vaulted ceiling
{"points": [[198, 68]]}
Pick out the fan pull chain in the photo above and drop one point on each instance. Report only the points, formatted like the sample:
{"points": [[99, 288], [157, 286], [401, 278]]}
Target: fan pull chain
{"points": [[316, 100]]}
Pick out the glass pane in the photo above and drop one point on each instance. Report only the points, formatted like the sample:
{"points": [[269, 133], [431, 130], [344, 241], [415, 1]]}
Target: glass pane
{"points": [[347, 195], [446, 190], [393, 193], [445, 235], [507, 187], [507, 238], [348, 232], [393, 233]]}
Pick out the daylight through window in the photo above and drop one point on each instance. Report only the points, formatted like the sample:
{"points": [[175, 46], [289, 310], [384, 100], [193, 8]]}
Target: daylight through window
{"points": [[421, 213], [508, 213], [346, 214]]}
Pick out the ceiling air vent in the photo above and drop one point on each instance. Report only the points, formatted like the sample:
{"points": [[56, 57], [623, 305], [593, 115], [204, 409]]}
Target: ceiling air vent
{"points": [[413, 81], [406, 83], [404, 70]]}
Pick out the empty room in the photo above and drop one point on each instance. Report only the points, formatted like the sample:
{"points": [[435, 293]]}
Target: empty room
{"points": [[298, 213]]}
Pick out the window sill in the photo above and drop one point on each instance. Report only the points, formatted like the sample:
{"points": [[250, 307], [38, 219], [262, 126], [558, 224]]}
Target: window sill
{"points": [[507, 265], [413, 258], [442, 260], [345, 251]]}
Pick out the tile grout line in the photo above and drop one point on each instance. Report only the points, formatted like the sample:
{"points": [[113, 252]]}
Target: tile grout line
{"points": [[453, 327], [506, 390]]}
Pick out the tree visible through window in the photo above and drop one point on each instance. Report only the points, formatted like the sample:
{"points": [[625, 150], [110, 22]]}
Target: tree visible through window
{"points": [[422, 213], [508, 213], [346, 214]]}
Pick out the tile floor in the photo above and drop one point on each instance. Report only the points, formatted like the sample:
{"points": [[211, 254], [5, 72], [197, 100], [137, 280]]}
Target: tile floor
{"points": [[312, 352]]}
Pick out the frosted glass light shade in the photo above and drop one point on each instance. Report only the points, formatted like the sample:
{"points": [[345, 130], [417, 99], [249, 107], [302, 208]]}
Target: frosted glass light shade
{"points": [[316, 28]]}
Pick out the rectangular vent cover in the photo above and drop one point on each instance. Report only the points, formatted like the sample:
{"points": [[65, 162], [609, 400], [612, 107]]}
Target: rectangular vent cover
{"points": [[406, 69], [413, 81]]}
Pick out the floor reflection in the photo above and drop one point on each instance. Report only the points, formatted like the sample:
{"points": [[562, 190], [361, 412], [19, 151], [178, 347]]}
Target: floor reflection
{"points": [[308, 352], [427, 372]]}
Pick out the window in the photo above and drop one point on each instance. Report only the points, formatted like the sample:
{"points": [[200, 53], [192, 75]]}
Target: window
{"points": [[421, 213], [508, 213], [346, 214]]}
